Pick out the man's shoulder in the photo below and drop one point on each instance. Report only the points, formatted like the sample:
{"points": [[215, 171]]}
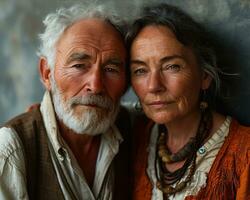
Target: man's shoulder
{"points": [[9, 142], [12, 165], [13, 131], [27, 117], [26, 126]]}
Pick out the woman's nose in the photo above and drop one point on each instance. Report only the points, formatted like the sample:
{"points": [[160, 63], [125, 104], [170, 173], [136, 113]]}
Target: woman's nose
{"points": [[155, 83]]}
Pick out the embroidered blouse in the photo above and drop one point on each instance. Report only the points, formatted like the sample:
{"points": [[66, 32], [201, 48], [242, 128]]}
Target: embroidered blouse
{"points": [[223, 165]]}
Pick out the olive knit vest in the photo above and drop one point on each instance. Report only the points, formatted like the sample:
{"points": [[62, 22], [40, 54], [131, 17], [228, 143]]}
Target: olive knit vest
{"points": [[42, 182], [41, 176]]}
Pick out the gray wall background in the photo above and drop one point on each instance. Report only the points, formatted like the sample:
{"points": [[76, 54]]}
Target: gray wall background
{"points": [[21, 21]]}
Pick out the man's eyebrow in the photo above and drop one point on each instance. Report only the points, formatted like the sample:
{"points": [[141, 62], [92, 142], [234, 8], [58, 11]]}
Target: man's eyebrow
{"points": [[77, 56], [114, 61]]}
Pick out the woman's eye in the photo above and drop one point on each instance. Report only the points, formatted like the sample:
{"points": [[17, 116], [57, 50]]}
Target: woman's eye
{"points": [[139, 71], [173, 67]]}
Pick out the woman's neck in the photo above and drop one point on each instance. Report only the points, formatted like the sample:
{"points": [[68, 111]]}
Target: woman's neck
{"points": [[181, 130]]}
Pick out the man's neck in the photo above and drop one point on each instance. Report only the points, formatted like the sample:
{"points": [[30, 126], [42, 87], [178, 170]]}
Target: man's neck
{"points": [[74, 138], [85, 149]]}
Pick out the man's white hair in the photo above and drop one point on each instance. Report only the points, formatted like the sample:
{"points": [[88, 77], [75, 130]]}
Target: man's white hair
{"points": [[56, 23]]}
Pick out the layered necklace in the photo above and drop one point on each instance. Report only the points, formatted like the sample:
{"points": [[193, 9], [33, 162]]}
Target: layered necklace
{"points": [[165, 178]]}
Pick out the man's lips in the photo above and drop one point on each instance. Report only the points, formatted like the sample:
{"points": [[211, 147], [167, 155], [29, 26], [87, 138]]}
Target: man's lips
{"points": [[89, 105], [92, 105]]}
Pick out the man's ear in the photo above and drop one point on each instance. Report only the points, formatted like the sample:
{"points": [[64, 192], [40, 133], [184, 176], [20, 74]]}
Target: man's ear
{"points": [[206, 81], [45, 72]]}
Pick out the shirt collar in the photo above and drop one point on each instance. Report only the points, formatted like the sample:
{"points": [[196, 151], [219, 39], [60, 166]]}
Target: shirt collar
{"points": [[49, 118], [113, 138]]}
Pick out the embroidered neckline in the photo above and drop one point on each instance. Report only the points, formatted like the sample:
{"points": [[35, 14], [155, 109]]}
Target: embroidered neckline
{"points": [[200, 176]]}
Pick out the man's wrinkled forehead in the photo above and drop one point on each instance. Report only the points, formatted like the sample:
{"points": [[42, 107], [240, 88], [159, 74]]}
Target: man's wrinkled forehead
{"points": [[88, 55], [95, 30], [94, 34]]}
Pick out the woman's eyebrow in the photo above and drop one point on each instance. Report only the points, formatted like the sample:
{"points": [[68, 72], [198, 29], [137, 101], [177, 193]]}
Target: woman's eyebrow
{"points": [[162, 60], [168, 58], [138, 62]]}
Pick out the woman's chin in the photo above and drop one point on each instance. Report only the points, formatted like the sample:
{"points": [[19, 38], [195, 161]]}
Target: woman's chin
{"points": [[162, 117]]}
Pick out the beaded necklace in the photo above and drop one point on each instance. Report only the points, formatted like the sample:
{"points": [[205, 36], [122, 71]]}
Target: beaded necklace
{"points": [[165, 178]]}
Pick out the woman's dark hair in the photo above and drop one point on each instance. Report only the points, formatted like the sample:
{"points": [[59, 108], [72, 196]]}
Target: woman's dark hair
{"points": [[187, 31]]}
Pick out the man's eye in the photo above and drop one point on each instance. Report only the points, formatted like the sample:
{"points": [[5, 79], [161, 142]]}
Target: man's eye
{"points": [[111, 69], [79, 66], [82, 66]]}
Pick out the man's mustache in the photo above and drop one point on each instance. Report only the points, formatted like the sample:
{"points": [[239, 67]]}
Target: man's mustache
{"points": [[96, 100]]}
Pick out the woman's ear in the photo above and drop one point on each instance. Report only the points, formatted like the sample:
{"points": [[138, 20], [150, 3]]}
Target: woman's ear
{"points": [[45, 72], [206, 81]]}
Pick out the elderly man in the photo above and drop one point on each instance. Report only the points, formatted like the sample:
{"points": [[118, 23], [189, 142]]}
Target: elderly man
{"points": [[67, 148]]}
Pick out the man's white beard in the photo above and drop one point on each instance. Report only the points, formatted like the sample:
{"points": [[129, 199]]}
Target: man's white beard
{"points": [[92, 120]]}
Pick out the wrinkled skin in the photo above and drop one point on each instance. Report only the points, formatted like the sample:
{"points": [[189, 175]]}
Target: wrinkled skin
{"points": [[165, 75]]}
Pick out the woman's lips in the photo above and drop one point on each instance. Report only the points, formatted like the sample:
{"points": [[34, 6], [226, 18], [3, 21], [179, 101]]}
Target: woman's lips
{"points": [[159, 104]]}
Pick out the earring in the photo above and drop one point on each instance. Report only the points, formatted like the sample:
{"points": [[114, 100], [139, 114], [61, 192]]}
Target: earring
{"points": [[138, 106], [203, 102]]}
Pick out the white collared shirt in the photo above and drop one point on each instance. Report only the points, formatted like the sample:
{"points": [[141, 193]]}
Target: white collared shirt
{"points": [[12, 164]]}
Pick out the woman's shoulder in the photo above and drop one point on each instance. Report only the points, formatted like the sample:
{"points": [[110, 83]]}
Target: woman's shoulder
{"points": [[238, 142], [240, 133]]}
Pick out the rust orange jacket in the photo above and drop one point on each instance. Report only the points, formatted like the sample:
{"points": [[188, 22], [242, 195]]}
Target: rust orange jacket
{"points": [[228, 178]]}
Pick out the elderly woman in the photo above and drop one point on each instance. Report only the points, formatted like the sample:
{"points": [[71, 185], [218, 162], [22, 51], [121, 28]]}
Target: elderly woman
{"points": [[186, 150]]}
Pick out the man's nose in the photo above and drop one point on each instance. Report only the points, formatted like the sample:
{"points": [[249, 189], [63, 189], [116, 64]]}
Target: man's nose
{"points": [[95, 83]]}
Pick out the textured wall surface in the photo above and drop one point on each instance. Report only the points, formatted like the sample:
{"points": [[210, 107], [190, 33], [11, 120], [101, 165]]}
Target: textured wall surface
{"points": [[21, 21]]}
